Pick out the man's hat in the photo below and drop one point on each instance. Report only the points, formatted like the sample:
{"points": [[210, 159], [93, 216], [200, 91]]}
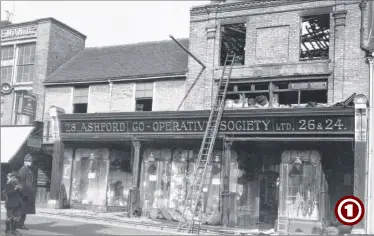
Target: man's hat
{"points": [[28, 157]]}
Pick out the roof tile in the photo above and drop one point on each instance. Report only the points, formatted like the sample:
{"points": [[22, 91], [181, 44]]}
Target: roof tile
{"points": [[123, 61]]}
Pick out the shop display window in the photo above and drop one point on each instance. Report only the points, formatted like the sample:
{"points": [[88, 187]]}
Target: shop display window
{"points": [[90, 173], [119, 179], [66, 172], [301, 185], [167, 175]]}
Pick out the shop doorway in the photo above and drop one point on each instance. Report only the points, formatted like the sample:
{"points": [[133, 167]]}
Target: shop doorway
{"points": [[255, 177]]}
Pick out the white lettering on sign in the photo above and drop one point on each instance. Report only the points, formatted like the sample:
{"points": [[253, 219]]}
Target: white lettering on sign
{"points": [[18, 32]]}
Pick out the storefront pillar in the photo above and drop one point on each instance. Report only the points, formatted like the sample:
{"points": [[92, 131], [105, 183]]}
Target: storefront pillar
{"points": [[135, 168], [56, 174], [226, 184], [360, 170], [133, 207], [339, 47], [58, 159]]}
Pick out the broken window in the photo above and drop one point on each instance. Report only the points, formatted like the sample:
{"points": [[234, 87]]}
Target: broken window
{"points": [[276, 94], [233, 41], [315, 36]]}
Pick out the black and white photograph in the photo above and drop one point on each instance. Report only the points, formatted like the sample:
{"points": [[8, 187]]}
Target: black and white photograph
{"points": [[220, 117]]}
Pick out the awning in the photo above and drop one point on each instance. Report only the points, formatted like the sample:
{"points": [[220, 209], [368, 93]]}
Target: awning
{"points": [[12, 139]]}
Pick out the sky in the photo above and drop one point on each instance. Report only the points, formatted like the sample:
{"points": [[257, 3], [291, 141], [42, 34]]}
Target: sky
{"points": [[111, 22]]}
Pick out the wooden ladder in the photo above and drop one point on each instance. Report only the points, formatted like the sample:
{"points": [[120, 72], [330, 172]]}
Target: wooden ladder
{"points": [[194, 194]]}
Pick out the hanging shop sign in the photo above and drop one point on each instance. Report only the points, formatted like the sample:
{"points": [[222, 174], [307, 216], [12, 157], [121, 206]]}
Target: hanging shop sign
{"points": [[325, 124], [28, 104]]}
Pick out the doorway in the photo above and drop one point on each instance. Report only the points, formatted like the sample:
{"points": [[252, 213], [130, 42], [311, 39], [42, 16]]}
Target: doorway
{"points": [[257, 174]]}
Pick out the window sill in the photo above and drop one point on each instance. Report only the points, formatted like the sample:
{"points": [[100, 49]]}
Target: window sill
{"points": [[22, 86]]}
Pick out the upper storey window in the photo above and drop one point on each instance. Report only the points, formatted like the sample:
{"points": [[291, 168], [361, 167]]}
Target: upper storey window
{"points": [[25, 63], [315, 37], [80, 99], [233, 40], [144, 96], [7, 53]]}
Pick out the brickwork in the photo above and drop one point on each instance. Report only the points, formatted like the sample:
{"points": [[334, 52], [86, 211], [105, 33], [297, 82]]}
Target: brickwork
{"points": [[346, 69], [123, 97], [99, 98], [168, 95], [6, 106], [55, 44]]}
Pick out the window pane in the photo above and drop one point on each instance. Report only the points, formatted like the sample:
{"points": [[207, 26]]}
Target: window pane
{"points": [[25, 73], [7, 53], [139, 87], [144, 90], [80, 95], [26, 54], [139, 94], [6, 74], [148, 93], [148, 86]]}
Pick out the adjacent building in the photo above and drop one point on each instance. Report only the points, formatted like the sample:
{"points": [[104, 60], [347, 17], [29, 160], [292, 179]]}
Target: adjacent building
{"points": [[30, 51], [293, 136]]}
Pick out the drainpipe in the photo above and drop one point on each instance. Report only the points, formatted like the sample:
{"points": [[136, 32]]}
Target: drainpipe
{"points": [[110, 94], [370, 134], [370, 172], [363, 29]]}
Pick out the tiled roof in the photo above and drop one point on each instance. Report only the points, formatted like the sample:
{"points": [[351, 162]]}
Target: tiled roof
{"points": [[130, 61]]}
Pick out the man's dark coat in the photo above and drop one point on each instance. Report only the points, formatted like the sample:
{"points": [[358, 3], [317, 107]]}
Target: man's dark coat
{"points": [[28, 189]]}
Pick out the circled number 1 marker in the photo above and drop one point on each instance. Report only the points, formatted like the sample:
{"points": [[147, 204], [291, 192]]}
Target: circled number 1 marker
{"points": [[349, 210]]}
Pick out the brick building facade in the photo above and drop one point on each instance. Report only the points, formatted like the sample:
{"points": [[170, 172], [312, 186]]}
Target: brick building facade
{"points": [[30, 51], [301, 66]]}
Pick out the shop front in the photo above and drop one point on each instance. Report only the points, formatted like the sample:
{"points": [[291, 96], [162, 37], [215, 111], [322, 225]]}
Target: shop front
{"points": [[271, 168]]}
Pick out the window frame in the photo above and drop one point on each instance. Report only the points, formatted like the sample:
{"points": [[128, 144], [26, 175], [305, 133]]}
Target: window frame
{"points": [[17, 107], [10, 79], [79, 100], [271, 91], [143, 99], [12, 50], [142, 87], [28, 64]]}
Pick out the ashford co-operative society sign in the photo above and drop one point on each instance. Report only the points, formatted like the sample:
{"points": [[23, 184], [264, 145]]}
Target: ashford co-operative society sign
{"points": [[258, 124]]}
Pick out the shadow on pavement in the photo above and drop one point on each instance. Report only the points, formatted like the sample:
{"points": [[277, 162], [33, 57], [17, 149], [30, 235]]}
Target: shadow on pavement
{"points": [[79, 228]]}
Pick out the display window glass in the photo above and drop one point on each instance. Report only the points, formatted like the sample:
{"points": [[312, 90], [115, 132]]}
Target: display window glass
{"points": [[167, 174], [301, 184], [66, 172], [119, 179], [90, 173]]}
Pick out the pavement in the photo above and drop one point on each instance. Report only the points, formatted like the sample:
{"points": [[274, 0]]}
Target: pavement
{"points": [[57, 226], [120, 219]]}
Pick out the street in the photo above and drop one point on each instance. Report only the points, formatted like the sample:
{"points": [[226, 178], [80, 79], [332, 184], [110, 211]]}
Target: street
{"points": [[41, 225]]}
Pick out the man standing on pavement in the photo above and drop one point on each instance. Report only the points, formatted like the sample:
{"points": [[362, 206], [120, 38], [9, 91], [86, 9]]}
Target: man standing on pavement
{"points": [[28, 188]]}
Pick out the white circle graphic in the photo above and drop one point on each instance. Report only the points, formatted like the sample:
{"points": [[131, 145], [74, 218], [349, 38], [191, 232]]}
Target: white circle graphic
{"points": [[340, 210]]}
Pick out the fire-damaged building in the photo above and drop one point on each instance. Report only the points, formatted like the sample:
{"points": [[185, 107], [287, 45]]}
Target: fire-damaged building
{"points": [[29, 52], [283, 122]]}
